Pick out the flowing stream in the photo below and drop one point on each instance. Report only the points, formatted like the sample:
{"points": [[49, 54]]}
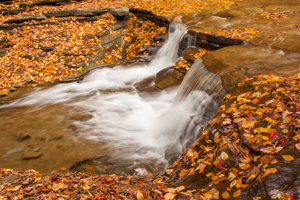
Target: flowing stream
{"points": [[141, 133]]}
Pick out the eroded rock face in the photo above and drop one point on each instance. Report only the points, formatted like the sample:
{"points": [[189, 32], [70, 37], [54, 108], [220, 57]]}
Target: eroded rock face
{"points": [[24, 18], [68, 13]]}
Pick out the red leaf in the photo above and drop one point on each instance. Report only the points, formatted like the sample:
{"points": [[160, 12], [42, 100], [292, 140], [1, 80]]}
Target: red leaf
{"points": [[97, 197], [281, 139], [272, 136]]}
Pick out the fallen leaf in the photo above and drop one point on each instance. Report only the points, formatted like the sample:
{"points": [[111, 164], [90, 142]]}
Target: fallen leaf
{"points": [[139, 195], [224, 155], [57, 186], [237, 193], [170, 196], [86, 187], [244, 166], [288, 157], [270, 171], [225, 195]]}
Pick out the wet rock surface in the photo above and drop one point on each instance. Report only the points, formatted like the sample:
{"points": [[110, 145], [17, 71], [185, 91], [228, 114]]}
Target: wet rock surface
{"points": [[168, 77], [189, 53]]}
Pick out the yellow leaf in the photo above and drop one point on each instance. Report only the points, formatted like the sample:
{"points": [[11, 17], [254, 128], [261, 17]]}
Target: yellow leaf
{"points": [[170, 196], [86, 187], [269, 119], [38, 177], [237, 193], [265, 137], [225, 195], [180, 188], [63, 168], [287, 157], [139, 195], [190, 153], [57, 186], [215, 193], [269, 171], [248, 124], [224, 156], [172, 190], [264, 130], [244, 166], [259, 112]]}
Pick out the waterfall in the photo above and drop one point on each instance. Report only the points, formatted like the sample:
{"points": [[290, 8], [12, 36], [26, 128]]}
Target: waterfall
{"points": [[138, 131], [199, 78], [197, 99]]}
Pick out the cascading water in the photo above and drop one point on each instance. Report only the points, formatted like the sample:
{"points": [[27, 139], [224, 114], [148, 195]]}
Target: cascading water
{"points": [[137, 130]]}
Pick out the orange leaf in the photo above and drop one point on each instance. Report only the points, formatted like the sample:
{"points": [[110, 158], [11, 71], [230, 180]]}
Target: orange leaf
{"points": [[237, 193], [225, 195], [270, 171], [255, 101], [244, 166], [287, 157]]}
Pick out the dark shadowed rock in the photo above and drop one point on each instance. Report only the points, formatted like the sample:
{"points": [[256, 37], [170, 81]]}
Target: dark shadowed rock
{"points": [[68, 13], [24, 18], [12, 89], [189, 53], [51, 48], [216, 39]]}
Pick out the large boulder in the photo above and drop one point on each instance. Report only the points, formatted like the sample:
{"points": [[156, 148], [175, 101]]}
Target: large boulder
{"points": [[120, 12]]}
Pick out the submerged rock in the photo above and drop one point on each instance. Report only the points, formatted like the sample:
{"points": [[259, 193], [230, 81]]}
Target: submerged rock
{"points": [[21, 136], [31, 153], [18, 150]]}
